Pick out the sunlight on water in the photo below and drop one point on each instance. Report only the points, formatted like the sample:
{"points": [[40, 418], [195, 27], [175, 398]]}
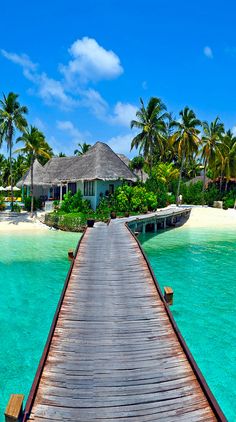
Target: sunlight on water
{"points": [[200, 266], [33, 268]]}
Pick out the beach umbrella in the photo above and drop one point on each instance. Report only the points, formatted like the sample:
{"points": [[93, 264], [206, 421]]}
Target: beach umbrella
{"points": [[15, 188]]}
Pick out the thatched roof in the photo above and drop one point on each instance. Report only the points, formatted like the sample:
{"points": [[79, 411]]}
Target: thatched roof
{"points": [[38, 171], [98, 163]]}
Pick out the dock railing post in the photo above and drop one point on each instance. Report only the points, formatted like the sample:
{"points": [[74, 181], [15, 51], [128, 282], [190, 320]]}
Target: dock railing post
{"points": [[14, 409], [168, 295]]}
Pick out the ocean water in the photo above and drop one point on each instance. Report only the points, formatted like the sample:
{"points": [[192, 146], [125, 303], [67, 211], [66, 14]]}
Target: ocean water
{"points": [[200, 265], [33, 269]]}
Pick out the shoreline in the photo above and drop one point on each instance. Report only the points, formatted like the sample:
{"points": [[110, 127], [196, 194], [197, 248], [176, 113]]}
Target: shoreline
{"points": [[211, 218], [199, 217]]}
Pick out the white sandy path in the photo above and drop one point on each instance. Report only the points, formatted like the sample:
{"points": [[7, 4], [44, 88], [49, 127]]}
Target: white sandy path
{"points": [[211, 217]]}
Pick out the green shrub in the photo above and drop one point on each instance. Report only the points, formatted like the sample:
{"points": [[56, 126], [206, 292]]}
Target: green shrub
{"points": [[74, 222], [212, 194], [229, 203], [192, 193], [158, 188], [2, 203], [137, 198], [37, 203], [16, 207], [74, 203]]}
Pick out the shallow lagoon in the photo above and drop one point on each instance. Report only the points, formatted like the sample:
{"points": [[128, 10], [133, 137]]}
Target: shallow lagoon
{"points": [[33, 268], [200, 265]]}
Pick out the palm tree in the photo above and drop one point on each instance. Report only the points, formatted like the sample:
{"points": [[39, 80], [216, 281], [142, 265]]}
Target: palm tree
{"points": [[228, 151], [35, 147], [137, 164], [151, 123], [211, 139], [185, 139], [83, 148], [11, 119]]}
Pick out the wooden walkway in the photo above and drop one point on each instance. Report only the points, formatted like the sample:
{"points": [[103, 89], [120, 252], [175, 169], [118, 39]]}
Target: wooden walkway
{"points": [[115, 355]]}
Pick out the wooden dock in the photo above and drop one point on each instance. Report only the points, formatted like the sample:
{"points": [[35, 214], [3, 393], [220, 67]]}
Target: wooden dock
{"points": [[114, 352]]}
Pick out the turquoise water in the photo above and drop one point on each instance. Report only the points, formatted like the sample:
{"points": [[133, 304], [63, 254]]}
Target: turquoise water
{"points": [[200, 266], [32, 273]]}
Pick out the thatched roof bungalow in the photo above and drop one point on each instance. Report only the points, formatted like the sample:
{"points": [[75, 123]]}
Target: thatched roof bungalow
{"points": [[96, 173]]}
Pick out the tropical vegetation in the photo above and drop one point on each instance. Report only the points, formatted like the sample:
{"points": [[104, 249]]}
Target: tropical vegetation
{"points": [[176, 156]]}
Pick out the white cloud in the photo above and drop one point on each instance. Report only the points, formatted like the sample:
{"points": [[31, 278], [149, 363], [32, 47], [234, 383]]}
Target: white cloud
{"points": [[50, 90], [74, 134], [21, 59], [91, 62], [208, 52], [68, 126], [94, 101], [53, 92], [123, 114], [121, 144]]}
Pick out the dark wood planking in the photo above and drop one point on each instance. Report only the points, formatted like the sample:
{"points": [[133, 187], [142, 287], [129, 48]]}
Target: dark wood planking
{"points": [[114, 354]]}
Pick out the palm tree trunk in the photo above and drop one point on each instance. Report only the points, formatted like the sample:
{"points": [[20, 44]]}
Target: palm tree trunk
{"points": [[204, 182], [32, 186], [10, 158], [9, 141], [226, 185], [180, 178]]}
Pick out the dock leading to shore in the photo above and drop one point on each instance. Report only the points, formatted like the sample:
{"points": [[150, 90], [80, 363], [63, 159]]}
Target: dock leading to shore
{"points": [[114, 351]]}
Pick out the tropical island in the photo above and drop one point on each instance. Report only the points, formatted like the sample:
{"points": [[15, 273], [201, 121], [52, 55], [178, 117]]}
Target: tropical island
{"points": [[180, 161], [177, 158]]}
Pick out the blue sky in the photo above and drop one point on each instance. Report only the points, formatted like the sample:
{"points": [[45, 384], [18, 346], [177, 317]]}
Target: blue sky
{"points": [[81, 67]]}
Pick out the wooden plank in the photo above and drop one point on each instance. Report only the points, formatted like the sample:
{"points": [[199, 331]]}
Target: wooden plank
{"points": [[114, 353]]}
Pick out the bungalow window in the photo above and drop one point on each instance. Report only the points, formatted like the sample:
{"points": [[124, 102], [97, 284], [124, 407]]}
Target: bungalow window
{"points": [[89, 188], [72, 188]]}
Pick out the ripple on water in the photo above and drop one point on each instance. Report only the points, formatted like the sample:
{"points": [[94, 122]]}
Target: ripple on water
{"points": [[32, 272], [200, 266]]}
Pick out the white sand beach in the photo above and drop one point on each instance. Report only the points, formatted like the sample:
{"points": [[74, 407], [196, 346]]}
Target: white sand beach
{"points": [[211, 217], [22, 223], [199, 217]]}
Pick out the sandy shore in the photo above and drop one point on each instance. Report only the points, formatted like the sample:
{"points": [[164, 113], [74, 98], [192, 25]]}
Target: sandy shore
{"points": [[199, 217], [23, 223], [211, 217]]}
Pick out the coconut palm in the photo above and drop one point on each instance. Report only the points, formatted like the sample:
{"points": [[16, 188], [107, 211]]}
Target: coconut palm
{"points": [[35, 146], [151, 123], [211, 140], [11, 119], [83, 148], [185, 139], [228, 152], [137, 164]]}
